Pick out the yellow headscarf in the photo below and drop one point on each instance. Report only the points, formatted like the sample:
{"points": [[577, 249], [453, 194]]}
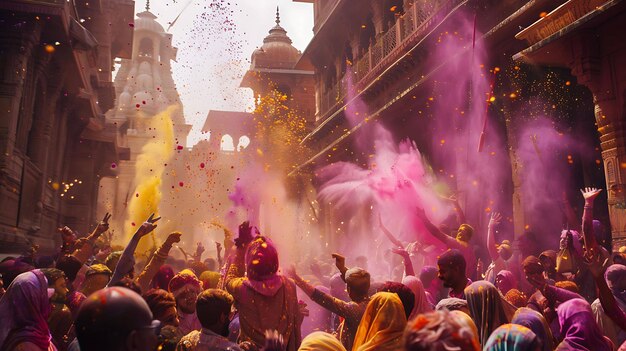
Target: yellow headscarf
{"points": [[382, 324], [320, 341]]}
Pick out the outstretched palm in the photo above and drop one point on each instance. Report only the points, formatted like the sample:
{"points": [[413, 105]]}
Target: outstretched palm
{"points": [[590, 194]]}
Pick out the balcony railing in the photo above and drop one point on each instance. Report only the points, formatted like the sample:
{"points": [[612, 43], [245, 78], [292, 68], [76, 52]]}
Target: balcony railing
{"points": [[408, 28]]}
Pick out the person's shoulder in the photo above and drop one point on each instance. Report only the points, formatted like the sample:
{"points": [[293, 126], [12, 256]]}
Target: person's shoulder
{"points": [[190, 340]]}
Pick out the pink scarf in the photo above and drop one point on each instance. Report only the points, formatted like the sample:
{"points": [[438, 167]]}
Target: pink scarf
{"points": [[24, 311]]}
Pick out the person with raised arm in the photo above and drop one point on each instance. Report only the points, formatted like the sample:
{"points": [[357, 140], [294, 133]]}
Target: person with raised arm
{"points": [[156, 261], [460, 242], [500, 254], [126, 263], [610, 308], [264, 298], [358, 284]]}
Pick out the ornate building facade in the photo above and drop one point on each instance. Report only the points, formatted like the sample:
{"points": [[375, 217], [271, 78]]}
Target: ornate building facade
{"points": [[56, 84], [144, 87], [385, 52]]}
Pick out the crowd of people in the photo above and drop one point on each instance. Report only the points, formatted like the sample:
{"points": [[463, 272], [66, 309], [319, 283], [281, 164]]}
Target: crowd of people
{"points": [[93, 295]]}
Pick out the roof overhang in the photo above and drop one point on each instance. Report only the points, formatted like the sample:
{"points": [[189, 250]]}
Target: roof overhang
{"points": [[548, 37], [252, 76]]}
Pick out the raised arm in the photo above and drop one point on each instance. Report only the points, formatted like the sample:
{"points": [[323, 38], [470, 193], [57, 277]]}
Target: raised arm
{"points": [[590, 195], [597, 267], [406, 258], [237, 266], [388, 234], [330, 303], [491, 238], [340, 263], [158, 259], [86, 249], [437, 233], [127, 260], [218, 248]]}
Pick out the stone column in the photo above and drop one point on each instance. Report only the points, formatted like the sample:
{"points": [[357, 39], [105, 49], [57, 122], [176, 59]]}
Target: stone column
{"points": [[599, 65]]}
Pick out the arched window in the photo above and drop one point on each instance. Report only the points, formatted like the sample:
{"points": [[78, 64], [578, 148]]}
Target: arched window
{"points": [[243, 143], [227, 143]]}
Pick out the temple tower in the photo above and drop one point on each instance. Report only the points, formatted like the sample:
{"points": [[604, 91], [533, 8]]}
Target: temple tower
{"points": [[144, 87]]}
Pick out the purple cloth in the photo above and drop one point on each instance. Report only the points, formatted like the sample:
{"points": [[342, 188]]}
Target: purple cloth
{"points": [[505, 281], [24, 311], [614, 274], [579, 328]]}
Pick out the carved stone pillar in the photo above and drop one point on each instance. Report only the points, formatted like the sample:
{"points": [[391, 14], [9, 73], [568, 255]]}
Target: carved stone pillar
{"points": [[599, 65]]}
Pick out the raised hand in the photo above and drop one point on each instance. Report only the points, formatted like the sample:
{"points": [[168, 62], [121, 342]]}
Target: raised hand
{"points": [[590, 194], [199, 249], [218, 247], [245, 235], [597, 266], [67, 234], [400, 251], [103, 226], [148, 226], [172, 238], [496, 218], [340, 262]]}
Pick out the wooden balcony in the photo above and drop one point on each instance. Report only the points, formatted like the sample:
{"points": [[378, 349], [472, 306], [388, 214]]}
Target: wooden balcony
{"points": [[408, 30]]}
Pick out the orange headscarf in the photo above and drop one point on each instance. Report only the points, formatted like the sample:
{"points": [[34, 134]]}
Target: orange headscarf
{"points": [[382, 324]]}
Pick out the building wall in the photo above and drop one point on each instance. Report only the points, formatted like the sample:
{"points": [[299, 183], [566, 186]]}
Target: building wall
{"points": [[50, 126], [373, 37]]}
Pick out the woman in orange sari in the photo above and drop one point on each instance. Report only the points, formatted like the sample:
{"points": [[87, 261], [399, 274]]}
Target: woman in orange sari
{"points": [[382, 325]]}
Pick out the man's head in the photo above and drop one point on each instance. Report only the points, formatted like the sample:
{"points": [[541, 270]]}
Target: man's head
{"points": [[70, 265], [210, 279], [213, 309], [185, 286], [57, 281], [464, 233], [548, 260], [616, 280], [97, 277], [533, 270], [452, 266], [261, 259], [358, 283], [114, 319], [112, 260], [504, 250], [163, 306], [428, 277]]}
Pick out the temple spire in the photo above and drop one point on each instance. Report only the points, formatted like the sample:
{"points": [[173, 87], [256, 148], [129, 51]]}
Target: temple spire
{"points": [[277, 16], [147, 5]]}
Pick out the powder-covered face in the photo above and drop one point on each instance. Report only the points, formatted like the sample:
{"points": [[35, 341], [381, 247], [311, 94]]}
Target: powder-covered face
{"points": [[186, 301], [261, 259], [60, 287], [464, 234]]}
